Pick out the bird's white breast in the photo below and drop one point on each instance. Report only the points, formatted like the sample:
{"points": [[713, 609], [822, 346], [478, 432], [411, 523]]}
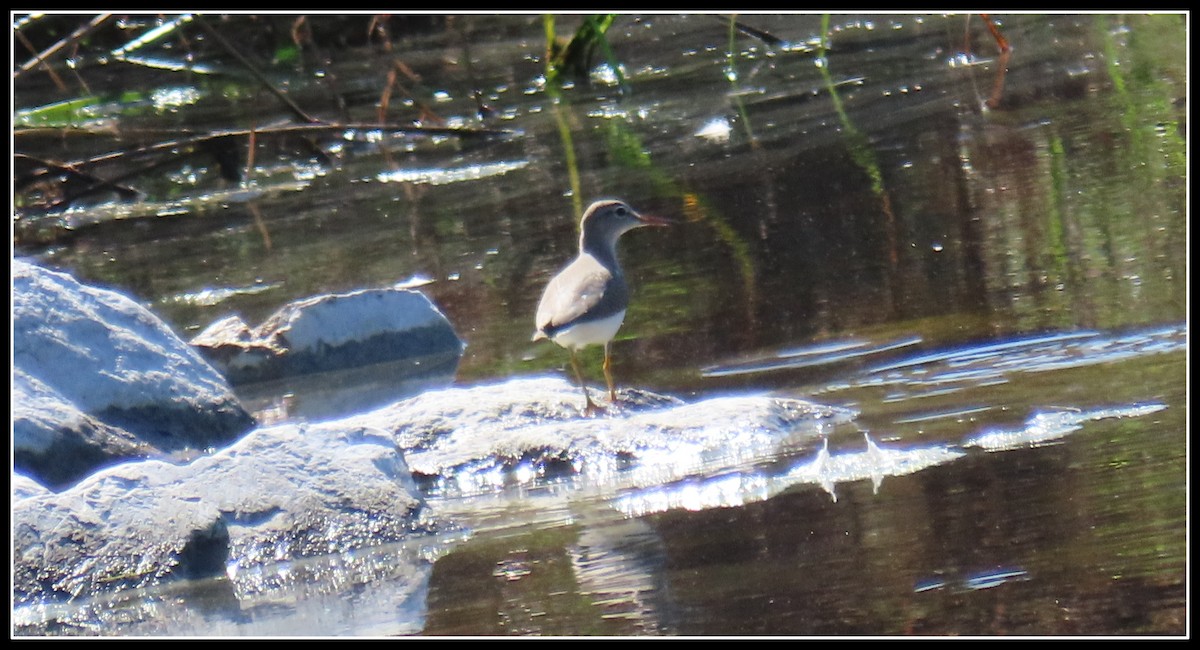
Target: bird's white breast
{"points": [[592, 332]]}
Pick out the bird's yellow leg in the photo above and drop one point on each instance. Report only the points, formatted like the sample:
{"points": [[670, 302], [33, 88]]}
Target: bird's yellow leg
{"points": [[591, 407], [612, 391]]}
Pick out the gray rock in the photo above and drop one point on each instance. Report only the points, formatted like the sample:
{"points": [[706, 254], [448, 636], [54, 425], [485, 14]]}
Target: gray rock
{"points": [[330, 333], [61, 443], [24, 487], [100, 377], [289, 492], [375, 592], [526, 430], [279, 493]]}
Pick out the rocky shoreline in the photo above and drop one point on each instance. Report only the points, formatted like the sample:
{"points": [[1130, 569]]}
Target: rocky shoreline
{"points": [[136, 463]]}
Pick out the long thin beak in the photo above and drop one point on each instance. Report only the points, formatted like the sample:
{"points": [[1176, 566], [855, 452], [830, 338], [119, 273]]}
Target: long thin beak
{"points": [[651, 220]]}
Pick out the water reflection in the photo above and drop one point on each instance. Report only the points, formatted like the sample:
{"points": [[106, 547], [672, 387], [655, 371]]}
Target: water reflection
{"points": [[816, 355], [985, 580], [1044, 428], [443, 175], [375, 592], [1011, 338], [825, 470], [985, 365]]}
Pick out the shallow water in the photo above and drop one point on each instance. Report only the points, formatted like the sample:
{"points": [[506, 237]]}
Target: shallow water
{"points": [[1008, 283]]}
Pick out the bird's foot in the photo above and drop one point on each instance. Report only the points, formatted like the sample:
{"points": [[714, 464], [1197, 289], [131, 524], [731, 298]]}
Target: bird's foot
{"points": [[593, 409]]}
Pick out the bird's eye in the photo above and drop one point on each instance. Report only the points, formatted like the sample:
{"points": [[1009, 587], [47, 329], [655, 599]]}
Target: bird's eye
{"points": [[621, 211]]}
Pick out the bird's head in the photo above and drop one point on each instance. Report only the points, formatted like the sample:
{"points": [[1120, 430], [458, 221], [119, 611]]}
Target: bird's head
{"points": [[604, 221]]}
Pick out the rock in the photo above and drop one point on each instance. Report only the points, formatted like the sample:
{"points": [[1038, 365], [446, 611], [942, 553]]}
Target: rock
{"points": [[523, 430], [376, 592], [61, 443], [106, 380], [328, 333], [333, 355], [280, 493], [24, 487], [248, 513]]}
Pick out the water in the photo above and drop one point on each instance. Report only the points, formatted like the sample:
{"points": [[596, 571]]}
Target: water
{"points": [[954, 273]]}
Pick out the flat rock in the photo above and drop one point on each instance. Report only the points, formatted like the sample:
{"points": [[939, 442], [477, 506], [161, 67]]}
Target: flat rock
{"points": [[532, 429]]}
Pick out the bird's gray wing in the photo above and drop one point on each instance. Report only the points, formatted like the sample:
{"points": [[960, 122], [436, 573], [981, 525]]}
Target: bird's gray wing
{"points": [[579, 288]]}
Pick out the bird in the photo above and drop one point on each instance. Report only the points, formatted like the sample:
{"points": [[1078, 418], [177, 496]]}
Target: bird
{"points": [[585, 303]]}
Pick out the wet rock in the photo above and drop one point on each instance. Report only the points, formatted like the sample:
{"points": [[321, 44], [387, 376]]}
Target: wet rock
{"points": [[373, 592], [98, 379], [331, 332], [334, 355], [280, 493], [524, 430], [24, 487], [52, 437]]}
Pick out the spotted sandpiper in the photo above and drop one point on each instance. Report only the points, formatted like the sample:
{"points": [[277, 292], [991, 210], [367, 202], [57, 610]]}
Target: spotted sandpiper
{"points": [[585, 303]]}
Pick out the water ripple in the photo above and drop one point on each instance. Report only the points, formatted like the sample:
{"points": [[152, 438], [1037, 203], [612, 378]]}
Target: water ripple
{"points": [[975, 366]]}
